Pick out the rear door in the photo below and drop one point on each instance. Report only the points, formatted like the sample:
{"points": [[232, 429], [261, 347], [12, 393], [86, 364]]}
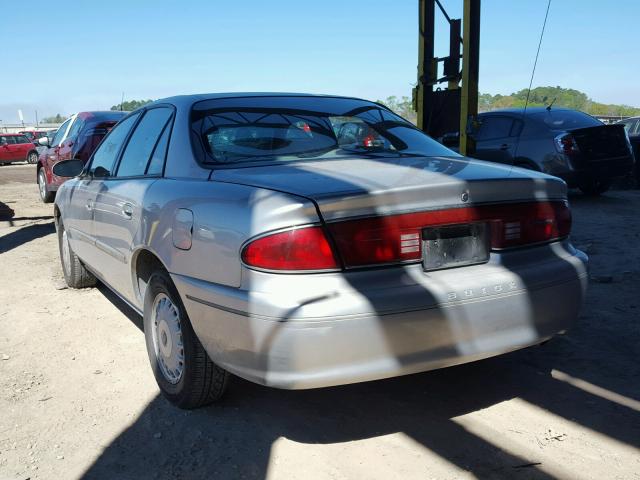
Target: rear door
{"points": [[496, 138], [119, 204], [23, 146]]}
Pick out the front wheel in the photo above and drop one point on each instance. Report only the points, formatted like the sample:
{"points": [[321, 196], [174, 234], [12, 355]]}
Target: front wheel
{"points": [[595, 186], [184, 372], [75, 273], [32, 157], [45, 195]]}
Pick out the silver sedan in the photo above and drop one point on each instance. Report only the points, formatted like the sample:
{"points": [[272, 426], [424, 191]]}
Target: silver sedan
{"points": [[302, 241]]}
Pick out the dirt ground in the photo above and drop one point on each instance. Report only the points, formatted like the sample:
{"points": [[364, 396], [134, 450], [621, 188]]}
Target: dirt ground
{"points": [[78, 400]]}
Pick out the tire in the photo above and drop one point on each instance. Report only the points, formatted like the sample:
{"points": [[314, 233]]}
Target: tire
{"points": [[594, 187], [45, 195], [75, 273], [184, 372], [32, 157]]}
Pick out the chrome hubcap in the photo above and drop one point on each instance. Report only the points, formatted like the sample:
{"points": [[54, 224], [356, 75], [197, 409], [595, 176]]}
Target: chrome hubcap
{"points": [[167, 338], [66, 254], [41, 184]]}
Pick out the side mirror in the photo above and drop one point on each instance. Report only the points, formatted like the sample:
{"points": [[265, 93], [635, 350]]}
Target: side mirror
{"points": [[44, 141], [68, 168]]}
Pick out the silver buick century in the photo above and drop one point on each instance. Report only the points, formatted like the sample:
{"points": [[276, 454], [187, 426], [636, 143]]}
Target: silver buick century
{"points": [[302, 241]]}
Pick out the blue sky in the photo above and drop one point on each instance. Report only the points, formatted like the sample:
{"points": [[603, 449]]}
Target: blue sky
{"points": [[62, 57]]}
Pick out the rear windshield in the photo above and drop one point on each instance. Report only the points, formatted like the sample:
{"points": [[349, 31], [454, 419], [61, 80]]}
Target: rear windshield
{"points": [[237, 130], [566, 119]]}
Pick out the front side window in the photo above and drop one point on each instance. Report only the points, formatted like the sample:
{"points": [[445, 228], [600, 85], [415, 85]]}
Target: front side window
{"points": [[57, 138], [241, 130], [105, 156], [22, 139], [142, 142], [75, 128]]}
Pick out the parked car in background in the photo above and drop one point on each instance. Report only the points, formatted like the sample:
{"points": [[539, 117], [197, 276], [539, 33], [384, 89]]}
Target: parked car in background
{"points": [[632, 126], [303, 241], [15, 147], [76, 138], [33, 135], [569, 144]]}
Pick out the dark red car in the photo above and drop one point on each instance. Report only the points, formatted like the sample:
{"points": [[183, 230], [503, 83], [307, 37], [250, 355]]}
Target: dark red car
{"points": [[78, 137], [16, 147]]}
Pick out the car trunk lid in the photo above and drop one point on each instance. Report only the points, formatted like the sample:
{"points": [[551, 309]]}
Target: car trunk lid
{"points": [[357, 187], [601, 142]]}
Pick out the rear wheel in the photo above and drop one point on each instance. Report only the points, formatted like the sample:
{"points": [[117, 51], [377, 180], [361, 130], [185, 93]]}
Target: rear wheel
{"points": [[75, 273], [32, 157], [594, 186], [45, 195], [184, 372]]}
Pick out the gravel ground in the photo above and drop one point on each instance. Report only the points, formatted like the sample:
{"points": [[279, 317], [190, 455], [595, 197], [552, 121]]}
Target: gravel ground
{"points": [[78, 400]]}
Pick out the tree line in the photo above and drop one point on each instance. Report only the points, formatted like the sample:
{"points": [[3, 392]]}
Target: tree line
{"points": [[538, 97]]}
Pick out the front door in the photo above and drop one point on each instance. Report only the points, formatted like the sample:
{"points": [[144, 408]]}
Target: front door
{"points": [[120, 203]]}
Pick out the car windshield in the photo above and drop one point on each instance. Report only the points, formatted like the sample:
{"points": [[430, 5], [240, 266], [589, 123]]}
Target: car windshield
{"points": [[236, 130], [566, 119]]}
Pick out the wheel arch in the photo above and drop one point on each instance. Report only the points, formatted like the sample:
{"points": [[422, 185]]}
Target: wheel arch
{"points": [[144, 262]]}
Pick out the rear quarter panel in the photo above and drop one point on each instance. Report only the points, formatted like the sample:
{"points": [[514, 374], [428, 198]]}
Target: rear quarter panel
{"points": [[225, 216]]}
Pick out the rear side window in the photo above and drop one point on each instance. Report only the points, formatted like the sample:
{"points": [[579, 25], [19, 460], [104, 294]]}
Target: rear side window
{"points": [[159, 153], [566, 119], [105, 156], [494, 127], [143, 142]]}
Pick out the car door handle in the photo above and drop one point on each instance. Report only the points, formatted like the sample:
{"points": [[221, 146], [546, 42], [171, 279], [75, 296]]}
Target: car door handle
{"points": [[127, 210], [504, 146], [89, 205]]}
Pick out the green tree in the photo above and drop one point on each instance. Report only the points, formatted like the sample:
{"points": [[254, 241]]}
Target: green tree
{"points": [[131, 105], [56, 119], [561, 97], [402, 106]]}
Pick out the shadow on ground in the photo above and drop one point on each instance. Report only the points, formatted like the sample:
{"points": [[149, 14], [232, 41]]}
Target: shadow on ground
{"points": [[234, 439]]}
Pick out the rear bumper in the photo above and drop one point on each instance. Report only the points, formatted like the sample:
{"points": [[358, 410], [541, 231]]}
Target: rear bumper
{"points": [[583, 170], [345, 328]]}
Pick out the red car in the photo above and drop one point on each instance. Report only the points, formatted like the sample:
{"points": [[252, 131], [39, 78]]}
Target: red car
{"points": [[15, 147], [78, 137]]}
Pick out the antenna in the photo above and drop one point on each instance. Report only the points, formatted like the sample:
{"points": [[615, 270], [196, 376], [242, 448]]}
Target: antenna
{"points": [[533, 72], [551, 104], [121, 100]]}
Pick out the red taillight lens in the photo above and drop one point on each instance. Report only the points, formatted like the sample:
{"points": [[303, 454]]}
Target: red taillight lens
{"points": [[304, 248], [566, 144], [398, 238]]}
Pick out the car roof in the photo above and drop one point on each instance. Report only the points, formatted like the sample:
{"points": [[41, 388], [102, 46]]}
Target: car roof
{"points": [[189, 99], [530, 110]]}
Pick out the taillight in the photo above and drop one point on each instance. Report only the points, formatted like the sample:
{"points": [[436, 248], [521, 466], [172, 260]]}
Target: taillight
{"points": [[398, 238], [303, 248], [566, 144]]}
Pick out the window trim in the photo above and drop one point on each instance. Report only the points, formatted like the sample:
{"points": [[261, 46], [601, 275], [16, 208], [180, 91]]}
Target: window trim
{"points": [[143, 112]]}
